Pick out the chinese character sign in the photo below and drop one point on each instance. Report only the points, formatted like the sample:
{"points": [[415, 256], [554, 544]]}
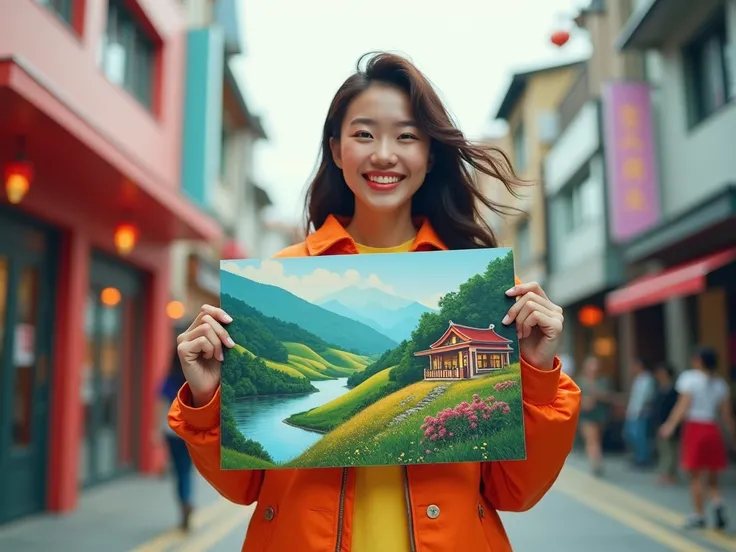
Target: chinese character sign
{"points": [[632, 172]]}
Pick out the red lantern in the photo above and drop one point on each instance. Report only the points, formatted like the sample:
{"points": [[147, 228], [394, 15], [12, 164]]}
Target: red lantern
{"points": [[18, 175], [560, 38], [126, 236], [590, 315]]}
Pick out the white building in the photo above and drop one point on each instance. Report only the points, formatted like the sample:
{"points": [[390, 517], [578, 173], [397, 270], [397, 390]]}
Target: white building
{"points": [[689, 295], [218, 166]]}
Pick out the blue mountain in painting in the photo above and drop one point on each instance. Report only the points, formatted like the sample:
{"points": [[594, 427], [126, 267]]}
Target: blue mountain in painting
{"points": [[346, 333], [391, 315]]}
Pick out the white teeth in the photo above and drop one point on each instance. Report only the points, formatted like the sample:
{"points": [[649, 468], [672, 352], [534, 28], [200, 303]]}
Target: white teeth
{"points": [[384, 179]]}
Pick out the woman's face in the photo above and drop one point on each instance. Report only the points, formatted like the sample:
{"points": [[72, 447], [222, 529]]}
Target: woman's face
{"points": [[383, 155]]}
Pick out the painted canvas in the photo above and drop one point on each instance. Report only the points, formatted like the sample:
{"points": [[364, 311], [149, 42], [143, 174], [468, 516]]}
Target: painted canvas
{"points": [[364, 360]]}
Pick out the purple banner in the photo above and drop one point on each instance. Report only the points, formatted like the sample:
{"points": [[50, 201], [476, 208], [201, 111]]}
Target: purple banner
{"points": [[633, 180]]}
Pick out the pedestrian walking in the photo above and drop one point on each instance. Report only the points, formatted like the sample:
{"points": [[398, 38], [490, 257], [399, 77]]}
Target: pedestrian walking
{"points": [[594, 411], [637, 427], [704, 399], [664, 403], [393, 177], [178, 452]]}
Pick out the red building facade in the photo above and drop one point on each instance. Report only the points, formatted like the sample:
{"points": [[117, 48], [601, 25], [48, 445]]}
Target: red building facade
{"points": [[91, 98]]}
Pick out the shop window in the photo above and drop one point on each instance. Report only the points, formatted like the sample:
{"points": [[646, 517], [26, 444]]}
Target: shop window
{"points": [[582, 201], [62, 8], [709, 82], [128, 54]]}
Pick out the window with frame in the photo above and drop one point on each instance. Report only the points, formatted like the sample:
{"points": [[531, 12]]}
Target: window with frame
{"points": [[520, 147], [707, 72], [583, 204], [62, 8], [128, 53]]}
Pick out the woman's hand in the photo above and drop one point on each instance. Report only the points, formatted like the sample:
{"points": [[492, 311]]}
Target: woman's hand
{"points": [[538, 324], [200, 352]]}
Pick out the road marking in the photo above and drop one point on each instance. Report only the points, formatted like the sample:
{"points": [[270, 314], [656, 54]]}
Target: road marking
{"points": [[218, 531], [654, 532], [200, 519], [648, 508]]}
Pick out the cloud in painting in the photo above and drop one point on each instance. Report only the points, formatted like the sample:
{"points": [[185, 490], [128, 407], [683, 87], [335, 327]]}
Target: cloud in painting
{"points": [[312, 286]]}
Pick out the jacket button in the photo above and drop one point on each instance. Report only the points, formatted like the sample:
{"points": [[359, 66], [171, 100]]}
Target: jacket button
{"points": [[481, 512], [433, 512], [268, 514]]}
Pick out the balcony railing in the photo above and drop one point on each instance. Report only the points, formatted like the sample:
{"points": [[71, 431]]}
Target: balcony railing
{"points": [[454, 373], [574, 100]]}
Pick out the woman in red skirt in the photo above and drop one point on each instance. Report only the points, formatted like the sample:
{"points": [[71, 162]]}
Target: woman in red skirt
{"points": [[704, 397]]}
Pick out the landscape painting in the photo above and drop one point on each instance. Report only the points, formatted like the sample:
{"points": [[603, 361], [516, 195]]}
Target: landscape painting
{"points": [[367, 360]]}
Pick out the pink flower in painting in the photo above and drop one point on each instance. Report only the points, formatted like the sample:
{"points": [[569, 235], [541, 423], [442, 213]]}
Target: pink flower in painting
{"points": [[504, 385], [481, 417]]}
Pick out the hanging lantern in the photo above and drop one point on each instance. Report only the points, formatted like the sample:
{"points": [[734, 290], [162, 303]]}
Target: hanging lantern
{"points": [[18, 176], [590, 316], [175, 310], [560, 38], [126, 236], [110, 296]]}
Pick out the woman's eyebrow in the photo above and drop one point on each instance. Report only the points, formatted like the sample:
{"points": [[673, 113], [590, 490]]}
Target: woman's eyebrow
{"points": [[372, 122]]}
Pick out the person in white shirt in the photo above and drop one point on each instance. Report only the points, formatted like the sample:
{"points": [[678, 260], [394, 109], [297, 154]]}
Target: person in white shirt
{"points": [[704, 397]]}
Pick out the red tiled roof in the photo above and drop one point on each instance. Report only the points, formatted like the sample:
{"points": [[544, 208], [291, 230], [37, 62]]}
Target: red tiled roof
{"points": [[487, 335]]}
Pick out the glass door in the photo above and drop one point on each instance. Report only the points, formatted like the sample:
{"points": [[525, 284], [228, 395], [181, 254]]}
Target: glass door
{"points": [[110, 372], [25, 342]]}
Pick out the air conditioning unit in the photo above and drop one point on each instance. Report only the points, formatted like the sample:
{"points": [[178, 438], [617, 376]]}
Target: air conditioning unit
{"points": [[549, 126]]}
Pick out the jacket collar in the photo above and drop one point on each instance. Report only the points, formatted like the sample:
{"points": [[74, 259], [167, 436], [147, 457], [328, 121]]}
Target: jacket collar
{"points": [[332, 239]]}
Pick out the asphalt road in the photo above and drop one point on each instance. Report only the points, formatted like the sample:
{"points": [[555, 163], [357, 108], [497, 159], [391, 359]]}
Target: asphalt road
{"points": [[624, 512], [579, 513]]}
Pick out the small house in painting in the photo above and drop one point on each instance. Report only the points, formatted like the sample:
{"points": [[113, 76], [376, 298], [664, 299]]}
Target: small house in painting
{"points": [[465, 353]]}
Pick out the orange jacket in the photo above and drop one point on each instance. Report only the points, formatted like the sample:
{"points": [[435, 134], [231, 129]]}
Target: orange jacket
{"points": [[311, 510]]}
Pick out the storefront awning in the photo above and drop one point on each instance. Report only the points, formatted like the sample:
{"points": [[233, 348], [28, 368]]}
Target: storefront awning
{"points": [[82, 173], [679, 281]]}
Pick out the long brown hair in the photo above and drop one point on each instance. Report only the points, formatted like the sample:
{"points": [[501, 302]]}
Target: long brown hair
{"points": [[450, 195]]}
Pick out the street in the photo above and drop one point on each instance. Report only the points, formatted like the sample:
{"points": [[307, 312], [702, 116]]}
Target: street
{"points": [[623, 511]]}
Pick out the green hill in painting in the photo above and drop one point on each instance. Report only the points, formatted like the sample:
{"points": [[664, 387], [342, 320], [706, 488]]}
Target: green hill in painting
{"points": [[273, 301], [390, 430], [303, 362]]}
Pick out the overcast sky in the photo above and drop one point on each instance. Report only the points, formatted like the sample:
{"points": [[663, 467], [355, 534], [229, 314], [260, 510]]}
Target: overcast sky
{"points": [[298, 54]]}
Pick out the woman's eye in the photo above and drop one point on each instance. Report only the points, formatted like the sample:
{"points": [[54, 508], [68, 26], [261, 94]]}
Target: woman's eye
{"points": [[408, 136], [362, 134]]}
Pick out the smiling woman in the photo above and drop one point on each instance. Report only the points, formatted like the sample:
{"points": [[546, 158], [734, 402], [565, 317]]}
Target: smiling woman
{"points": [[395, 175]]}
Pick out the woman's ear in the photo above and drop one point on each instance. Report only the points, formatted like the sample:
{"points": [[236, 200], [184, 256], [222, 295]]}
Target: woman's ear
{"points": [[335, 148], [430, 163]]}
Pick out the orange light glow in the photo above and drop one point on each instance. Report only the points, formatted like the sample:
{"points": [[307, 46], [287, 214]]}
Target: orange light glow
{"points": [[126, 236], [110, 296], [590, 315], [175, 310], [18, 175]]}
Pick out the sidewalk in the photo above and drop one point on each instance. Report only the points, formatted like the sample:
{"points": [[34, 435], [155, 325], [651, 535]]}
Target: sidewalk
{"points": [[643, 483], [134, 513]]}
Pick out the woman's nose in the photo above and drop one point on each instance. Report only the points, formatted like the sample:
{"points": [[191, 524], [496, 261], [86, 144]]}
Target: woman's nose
{"points": [[384, 154]]}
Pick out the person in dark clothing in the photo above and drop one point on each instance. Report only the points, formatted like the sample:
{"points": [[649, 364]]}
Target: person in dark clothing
{"points": [[664, 402], [178, 452]]}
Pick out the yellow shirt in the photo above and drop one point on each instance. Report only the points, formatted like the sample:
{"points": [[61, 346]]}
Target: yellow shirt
{"points": [[380, 519]]}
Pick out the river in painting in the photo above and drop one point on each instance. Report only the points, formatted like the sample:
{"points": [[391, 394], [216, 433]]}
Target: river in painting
{"points": [[262, 419]]}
